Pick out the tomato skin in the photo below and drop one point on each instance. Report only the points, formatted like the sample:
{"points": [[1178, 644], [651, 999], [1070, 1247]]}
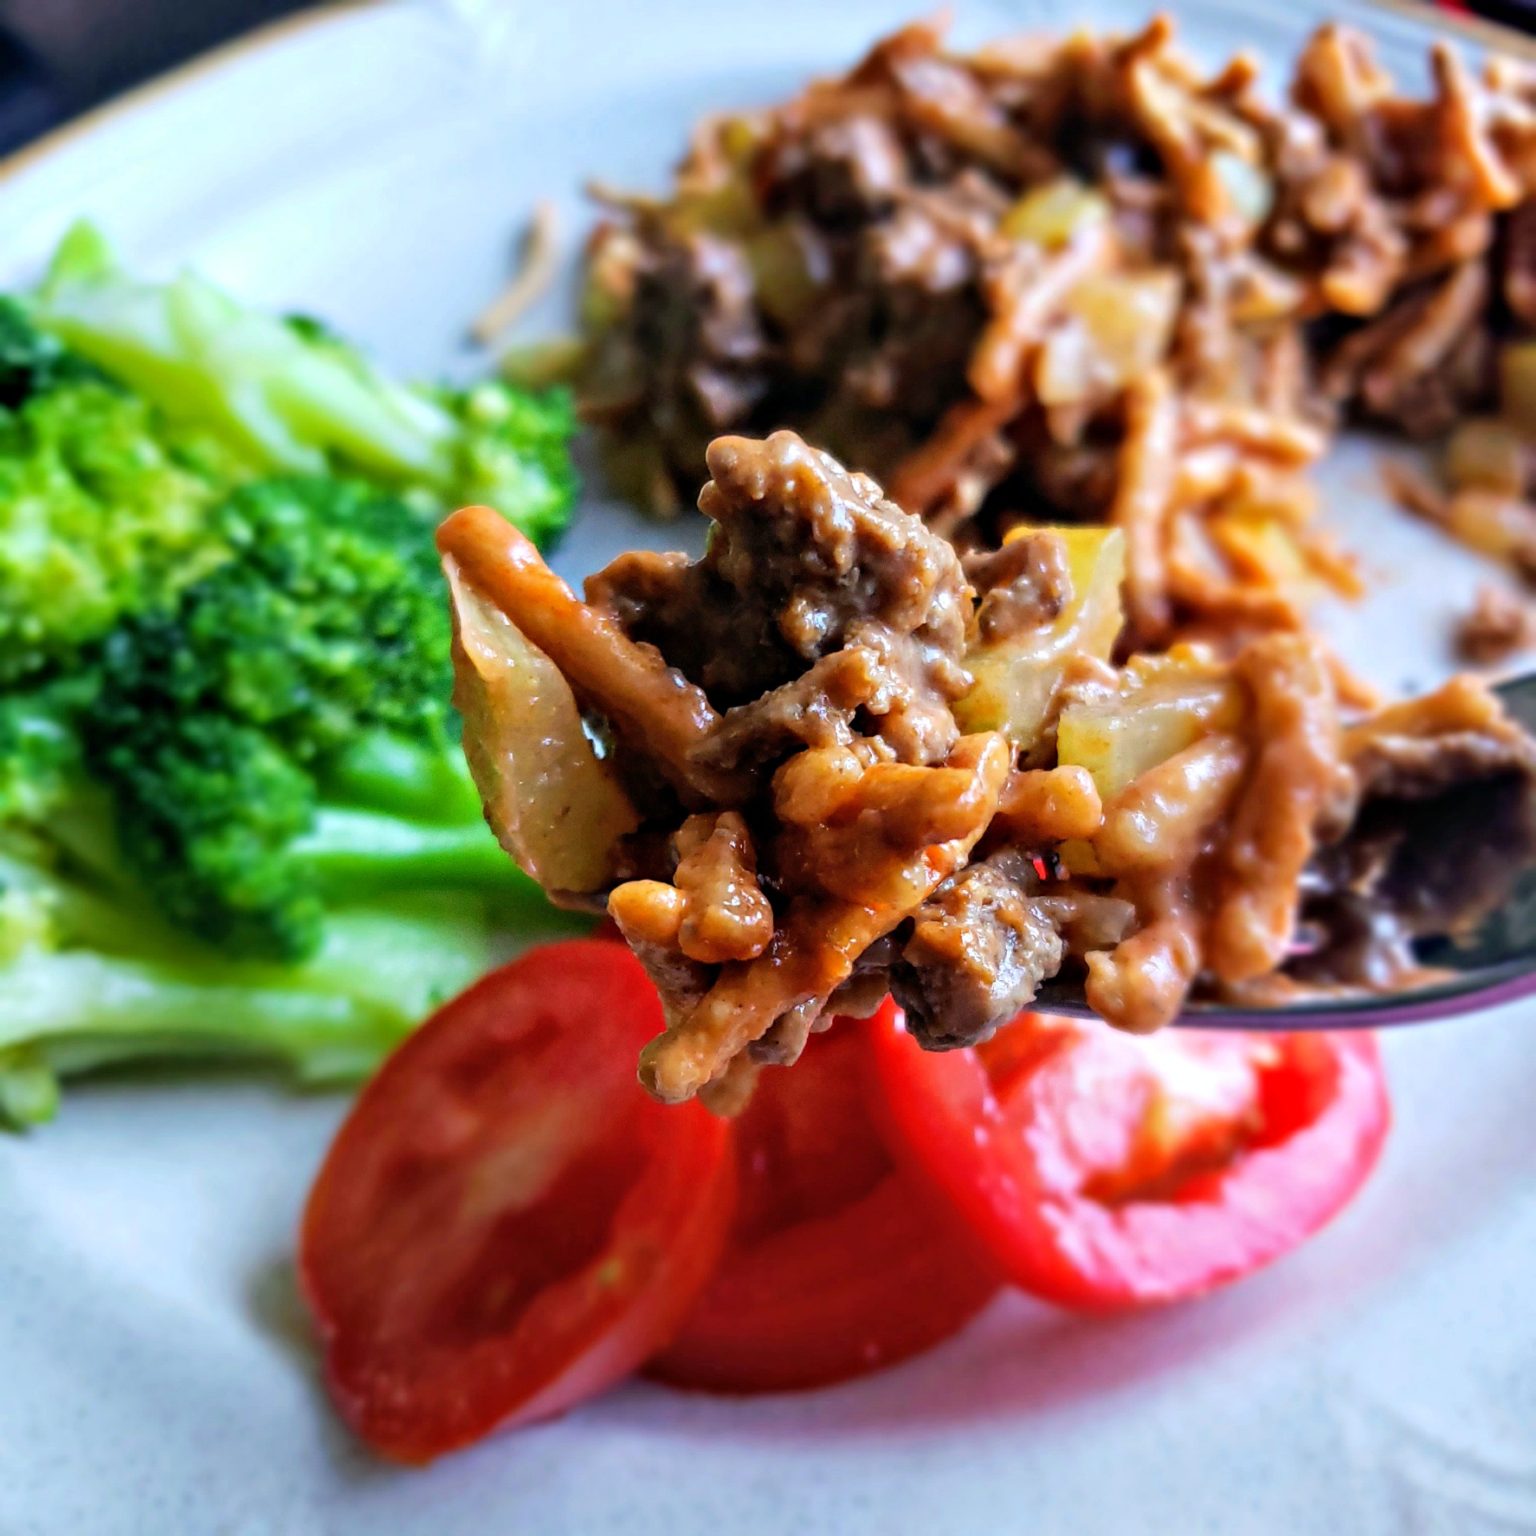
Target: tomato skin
{"points": [[506, 1224], [839, 1263], [1043, 1166]]}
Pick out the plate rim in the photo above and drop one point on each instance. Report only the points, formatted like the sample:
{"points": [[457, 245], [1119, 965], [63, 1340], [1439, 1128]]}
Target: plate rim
{"points": [[1478, 30], [314, 1496], [208, 62]]}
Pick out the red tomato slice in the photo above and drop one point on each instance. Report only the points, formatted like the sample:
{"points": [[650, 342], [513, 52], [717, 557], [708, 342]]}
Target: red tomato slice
{"points": [[506, 1224], [838, 1263], [1105, 1171]]}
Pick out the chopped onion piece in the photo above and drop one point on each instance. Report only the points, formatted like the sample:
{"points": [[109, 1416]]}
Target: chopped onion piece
{"points": [[785, 272], [1017, 678], [1501, 526], [1165, 704], [1487, 453], [1248, 189], [1053, 214], [1517, 384], [1116, 328], [553, 803]]}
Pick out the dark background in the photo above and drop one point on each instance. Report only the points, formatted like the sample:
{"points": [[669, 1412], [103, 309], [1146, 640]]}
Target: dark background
{"points": [[58, 57]]}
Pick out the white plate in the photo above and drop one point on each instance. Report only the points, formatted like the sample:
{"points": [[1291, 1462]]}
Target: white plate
{"points": [[373, 166]]}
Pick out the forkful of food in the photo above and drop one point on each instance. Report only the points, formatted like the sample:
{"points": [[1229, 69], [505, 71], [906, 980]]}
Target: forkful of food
{"points": [[839, 757]]}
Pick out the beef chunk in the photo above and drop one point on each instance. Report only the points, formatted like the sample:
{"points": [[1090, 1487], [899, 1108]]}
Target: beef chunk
{"points": [[1444, 816], [1405, 767], [979, 949], [806, 561], [1496, 626], [1024, 585]]}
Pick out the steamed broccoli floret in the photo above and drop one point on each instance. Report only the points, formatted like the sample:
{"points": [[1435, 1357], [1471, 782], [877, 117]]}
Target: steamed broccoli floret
{"points": [[32, 361], [40, 751], [293, 397], [327, 625], [512, 452], [98, 518], [207, 809], [327, 620], [231, 832]]}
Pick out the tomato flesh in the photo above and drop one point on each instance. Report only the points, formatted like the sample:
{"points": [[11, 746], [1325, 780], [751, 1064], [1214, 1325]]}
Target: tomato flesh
{"points": [[506, 1223], [839, 1263], [1104, 1171]]}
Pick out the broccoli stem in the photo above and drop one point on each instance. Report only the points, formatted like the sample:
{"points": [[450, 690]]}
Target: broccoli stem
{"points": [[76, 1010], [29, 1088], [101, 920], [384, 965], [386, 772], [358, 853]]}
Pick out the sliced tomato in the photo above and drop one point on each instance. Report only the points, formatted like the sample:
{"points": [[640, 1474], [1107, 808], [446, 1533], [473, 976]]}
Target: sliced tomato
{"points": [[1105, 1171], [506, 1223], [839, 1263]]}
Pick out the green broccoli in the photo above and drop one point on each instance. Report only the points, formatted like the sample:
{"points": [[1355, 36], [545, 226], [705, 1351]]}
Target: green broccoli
{"points": [[214, 717], [206, 810], [328, 619], [100, 515], [40, 749], [243, 825], [511, 451], [234, 816], [293, 397], [32, 362], [94, 977]]}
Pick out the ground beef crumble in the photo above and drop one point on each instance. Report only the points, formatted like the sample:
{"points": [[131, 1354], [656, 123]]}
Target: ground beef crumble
{"points": [[1495, 628]]}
